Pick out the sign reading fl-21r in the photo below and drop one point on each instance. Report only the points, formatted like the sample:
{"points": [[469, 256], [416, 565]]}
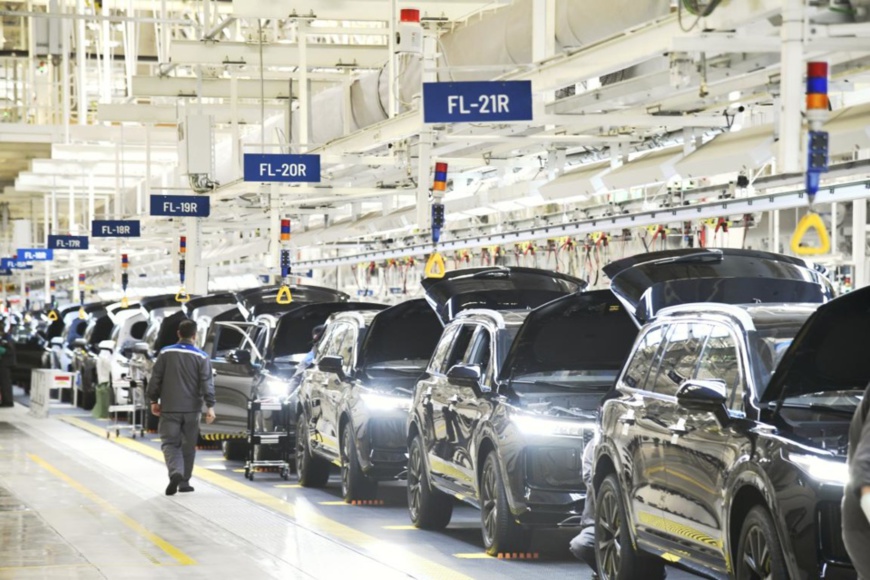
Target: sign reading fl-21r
{"points": [[282, 168], [477, 102], [180, 205]]}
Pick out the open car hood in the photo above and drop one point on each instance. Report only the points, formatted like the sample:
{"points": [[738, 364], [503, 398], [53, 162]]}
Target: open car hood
{"points": [[829, 353], [646, 283], [152, 303], [496, 288], [406, 331], [249, 298], [293, 330], [207, 307], [587, 331]]}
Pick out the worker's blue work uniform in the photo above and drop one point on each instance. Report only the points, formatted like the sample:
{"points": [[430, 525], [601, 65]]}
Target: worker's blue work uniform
{"points": [[182, 382]]}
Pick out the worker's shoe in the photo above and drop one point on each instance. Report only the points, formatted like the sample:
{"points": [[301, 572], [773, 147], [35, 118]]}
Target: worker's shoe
{"points": [[185, 488], [174, 480]]}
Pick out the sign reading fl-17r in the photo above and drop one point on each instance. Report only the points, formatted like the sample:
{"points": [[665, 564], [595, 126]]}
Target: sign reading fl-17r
{"points": [[477, 102], [68, 242], [282, 168], [180, 205]]}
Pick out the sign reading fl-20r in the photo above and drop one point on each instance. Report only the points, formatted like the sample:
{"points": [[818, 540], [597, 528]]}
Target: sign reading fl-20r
{"points": [[282, 168], [180, 205], [477, 102]]}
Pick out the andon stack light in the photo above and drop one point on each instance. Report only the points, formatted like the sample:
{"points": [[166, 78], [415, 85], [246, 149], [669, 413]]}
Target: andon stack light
{"points": [[817, 114], [182, 253], [52, 287], [435, 264], [125, 263], [284, 296]]}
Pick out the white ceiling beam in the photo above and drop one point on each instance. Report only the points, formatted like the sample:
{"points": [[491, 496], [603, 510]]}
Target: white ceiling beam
{"points": [[277, 54], [82, 152], [168, 114], [356, 9], [145, 86]]}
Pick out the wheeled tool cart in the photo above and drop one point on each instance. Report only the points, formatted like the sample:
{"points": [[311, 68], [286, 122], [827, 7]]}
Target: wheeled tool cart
{"points": [[277, 439], [129, 400]]}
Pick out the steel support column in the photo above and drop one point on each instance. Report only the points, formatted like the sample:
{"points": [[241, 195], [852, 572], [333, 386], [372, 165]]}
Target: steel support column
{"points": [[791, 87]]}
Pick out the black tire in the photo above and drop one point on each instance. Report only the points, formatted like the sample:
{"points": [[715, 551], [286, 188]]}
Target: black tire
{"points": [[429, 508], [311, 471], [501, 533], [354, 483], [614, 551], [235, 449], [759, 552]]}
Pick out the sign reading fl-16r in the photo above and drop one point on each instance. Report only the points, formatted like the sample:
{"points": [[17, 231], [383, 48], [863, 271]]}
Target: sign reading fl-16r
{"points": [[68, 242], [180, 205], [282, 168], [477, 102]]}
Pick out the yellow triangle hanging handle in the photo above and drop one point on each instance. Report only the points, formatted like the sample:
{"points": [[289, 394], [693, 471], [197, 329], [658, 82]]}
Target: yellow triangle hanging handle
{"points": [[284, 296], [52, 315], [125, 302], [82, 313], [813, 221], [435, 266], [182, 296]]}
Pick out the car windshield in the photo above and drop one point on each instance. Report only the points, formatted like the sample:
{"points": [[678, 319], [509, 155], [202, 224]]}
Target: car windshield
{"points": [[771, 342], [585, 380]]}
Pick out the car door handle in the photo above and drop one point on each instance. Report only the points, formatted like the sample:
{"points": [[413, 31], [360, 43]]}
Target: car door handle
{"points": [[454, 399], [679, 428], [627, 419]]}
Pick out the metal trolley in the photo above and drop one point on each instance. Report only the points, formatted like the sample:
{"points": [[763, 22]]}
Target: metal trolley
{"points": [[279, 439], [129, 399]]}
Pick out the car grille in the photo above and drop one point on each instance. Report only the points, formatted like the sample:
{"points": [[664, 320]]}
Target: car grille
{"points": [[831, 532], [554, 467], [387, 433]]}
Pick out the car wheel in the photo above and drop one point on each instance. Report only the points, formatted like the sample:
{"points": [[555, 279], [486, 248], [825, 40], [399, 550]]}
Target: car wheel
{"points": [[501, 533], [311, 471], [354, 483], [614, 550], [429, 508], [235, 449], [759, 554]]}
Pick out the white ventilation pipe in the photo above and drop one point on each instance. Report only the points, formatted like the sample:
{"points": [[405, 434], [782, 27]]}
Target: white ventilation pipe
{"points": [[499, 38]]}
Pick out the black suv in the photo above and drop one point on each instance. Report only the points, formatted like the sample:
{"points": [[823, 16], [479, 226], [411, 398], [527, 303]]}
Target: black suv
{"points": [[353, 405], [724, 444]]}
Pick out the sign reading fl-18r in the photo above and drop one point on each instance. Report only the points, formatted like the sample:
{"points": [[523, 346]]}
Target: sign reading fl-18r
{"points": [[477, 102], [282, 168], [181, 205], [115, 229]]}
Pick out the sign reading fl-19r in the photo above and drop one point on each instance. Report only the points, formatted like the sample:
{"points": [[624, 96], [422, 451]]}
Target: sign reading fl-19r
{"points": [[477, 102], [282, 168], [180, 205]]}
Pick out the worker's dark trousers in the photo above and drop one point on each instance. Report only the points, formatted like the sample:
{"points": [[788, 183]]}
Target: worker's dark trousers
{"points": [[178, 435], [856, 546], [5, 387]]}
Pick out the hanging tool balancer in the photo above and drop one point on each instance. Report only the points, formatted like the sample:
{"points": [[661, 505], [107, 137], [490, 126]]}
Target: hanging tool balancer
{"points": [[52, 285], [82, 313], [125, 263], [284, 296], [435, 265], [182, 295], [817, 159], [817, 115]]}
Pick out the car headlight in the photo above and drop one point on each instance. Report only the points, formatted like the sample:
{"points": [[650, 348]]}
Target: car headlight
{"points": [[380, 402], [554, 427], [274, 388], [823, 470]]}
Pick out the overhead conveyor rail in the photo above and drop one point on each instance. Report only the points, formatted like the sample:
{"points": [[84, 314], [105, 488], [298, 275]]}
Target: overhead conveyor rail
{"points": [[796, 198]]}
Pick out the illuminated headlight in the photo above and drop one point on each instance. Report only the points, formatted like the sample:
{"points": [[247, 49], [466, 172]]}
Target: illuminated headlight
{"points": [[540, 426], [379, 402], [274, 388], [821, 469]]}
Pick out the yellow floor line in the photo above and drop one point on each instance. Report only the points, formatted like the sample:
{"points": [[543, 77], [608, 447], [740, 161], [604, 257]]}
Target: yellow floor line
{"points": [[288, 486], [333, 503], [400, 527], [170, 550], [347, 534], [473, 556]]}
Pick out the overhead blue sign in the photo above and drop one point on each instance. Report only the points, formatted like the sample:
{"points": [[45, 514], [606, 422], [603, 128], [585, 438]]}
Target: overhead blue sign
{"points": [[477, 102], [4, 272], [35, 255], [10, 264], [181, 205], [115, 229], [68, 242], [283, 168]]}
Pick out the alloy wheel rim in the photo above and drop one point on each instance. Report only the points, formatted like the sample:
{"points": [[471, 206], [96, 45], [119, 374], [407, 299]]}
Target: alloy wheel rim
{"points": [[756, 555], [488, 504], [414, 487], [345, 461], [609, 531]]}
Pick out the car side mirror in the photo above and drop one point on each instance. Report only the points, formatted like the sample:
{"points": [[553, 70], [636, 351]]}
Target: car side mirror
{"points": [[332, 364], [240, 357], [140, 348], [80, 343], [466, 376], [702, 395]]}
